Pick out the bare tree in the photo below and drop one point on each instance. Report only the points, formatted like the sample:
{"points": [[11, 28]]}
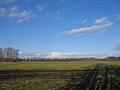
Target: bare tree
{"points": [[1, 53], [10, 52]]}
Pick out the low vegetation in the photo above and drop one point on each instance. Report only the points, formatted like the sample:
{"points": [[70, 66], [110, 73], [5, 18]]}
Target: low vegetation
{"points": [[60, 75]]}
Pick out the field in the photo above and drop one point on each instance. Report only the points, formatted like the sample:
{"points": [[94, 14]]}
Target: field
{"points": [[60, 75]]}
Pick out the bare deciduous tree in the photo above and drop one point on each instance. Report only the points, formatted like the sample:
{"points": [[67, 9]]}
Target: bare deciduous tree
{"points": [[10, 52], [1, 53]]}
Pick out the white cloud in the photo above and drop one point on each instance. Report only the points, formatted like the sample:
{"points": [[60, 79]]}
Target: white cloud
{"points": [[93, 28], [20, 16], [84, 21], [14, 14], [14, 8], [117, 16], [101, 20], [99, 25], [60, 55], [63, 54], [39, 54], [40, 7]]}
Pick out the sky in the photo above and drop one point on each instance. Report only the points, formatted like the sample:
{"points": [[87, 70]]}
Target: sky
{"points": [[61, 28]]}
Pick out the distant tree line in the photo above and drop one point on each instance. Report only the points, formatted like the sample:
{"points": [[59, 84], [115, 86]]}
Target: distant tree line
{"points": [[8, 53], [112, 58], [11, 54]]}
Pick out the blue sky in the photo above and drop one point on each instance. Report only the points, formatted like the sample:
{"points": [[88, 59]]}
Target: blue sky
{"points": [[61, 27]]}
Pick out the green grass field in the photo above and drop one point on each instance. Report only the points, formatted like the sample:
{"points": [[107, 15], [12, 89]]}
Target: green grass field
{"points": [[53, 65], [60, 75]]}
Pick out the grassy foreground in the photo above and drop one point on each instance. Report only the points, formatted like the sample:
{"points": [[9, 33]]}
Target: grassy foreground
{"points": [[53, 65], [60, 75]]}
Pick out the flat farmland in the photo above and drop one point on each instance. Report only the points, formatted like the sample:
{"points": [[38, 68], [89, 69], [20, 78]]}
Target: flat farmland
{"points": [[60, 75]]}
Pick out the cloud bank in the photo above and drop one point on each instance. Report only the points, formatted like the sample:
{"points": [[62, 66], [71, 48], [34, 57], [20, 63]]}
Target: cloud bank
{"points": [[60, 55], [39, 54]]}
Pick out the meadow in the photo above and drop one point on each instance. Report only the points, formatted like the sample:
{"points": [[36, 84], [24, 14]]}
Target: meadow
{"points": [[60, 75]]}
